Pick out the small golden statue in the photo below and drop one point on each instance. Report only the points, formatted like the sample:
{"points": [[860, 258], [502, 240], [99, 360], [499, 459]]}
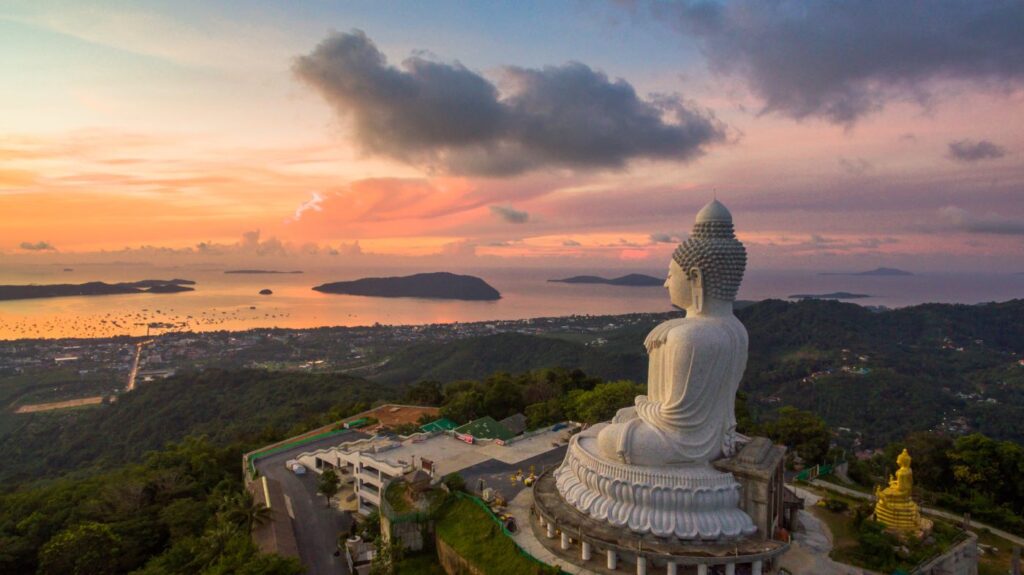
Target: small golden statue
{"points": [[895, 509]]}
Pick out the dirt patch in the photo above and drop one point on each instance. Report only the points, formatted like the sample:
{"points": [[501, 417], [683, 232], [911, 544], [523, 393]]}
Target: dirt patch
{"points": [[35, 407], [392, 414]]}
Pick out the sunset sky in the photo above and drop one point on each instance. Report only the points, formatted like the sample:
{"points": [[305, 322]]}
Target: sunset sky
{"points": [[841, 135]]}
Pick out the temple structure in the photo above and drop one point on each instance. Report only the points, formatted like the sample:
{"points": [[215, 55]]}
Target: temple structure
{"points": [[668, 483], [895, 509]]}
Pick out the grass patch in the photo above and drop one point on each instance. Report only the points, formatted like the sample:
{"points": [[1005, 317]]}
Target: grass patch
{"points": [[396, 497], [994, 563], [420, 564], [474, 535]]}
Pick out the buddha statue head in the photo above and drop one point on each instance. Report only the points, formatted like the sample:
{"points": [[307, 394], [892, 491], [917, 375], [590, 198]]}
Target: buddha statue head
{"points": [[707, 268]]}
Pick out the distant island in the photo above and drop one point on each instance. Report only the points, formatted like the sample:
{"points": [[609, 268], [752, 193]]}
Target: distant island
{"points": [[874, 272], [631, 280], [266, 291], [11, 292], [833, 295], [437, 285], [262, 272]]}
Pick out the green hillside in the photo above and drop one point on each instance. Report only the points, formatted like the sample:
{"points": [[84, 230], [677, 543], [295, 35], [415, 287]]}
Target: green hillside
{"points": [[248, 406]]}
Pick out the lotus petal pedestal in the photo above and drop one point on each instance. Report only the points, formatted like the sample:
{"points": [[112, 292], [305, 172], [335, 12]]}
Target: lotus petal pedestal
{"points": [[689, 502]]}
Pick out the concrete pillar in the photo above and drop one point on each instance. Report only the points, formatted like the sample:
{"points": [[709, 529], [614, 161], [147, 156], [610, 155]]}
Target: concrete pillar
{"points": [[585, 553], [730, 569], [702, 569], [565, 541], [613, 560], [641, 566], [551, 530], [755, 567], [671, 568]]}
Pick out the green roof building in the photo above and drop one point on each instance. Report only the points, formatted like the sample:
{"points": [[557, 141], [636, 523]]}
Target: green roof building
{"points": [[485, 428], [443, 424]]}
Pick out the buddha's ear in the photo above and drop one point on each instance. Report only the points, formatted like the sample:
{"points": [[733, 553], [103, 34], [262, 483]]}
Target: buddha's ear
{"points": [[697, 288]]}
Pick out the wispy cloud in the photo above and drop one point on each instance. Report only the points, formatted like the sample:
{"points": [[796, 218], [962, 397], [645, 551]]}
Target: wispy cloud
{"points": [[960, 219], [855, 166], [314, 203], [39, 246]]}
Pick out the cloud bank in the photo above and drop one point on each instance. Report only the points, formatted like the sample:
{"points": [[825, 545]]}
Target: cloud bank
{"points": [[841, 60], [446, 117]]}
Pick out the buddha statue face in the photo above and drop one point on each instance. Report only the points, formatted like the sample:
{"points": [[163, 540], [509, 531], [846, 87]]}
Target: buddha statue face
{"points": [[682, 287]]}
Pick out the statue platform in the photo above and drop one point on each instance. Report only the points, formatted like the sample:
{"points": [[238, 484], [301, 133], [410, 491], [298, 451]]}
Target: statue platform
{"points": [[601, 547], [687, 501]]}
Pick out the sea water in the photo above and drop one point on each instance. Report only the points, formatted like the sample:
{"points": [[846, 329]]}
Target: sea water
{"points": [[232, 301]]}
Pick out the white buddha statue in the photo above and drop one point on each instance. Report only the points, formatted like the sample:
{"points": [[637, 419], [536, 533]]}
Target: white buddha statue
{"points": [[696, 362], [649, 469]]}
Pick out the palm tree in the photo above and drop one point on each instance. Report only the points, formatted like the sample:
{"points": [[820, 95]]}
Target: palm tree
{"points": [[240, 509]]}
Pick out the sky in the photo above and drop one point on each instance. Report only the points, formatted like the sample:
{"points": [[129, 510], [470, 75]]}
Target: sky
{"points": [[842, 136]]}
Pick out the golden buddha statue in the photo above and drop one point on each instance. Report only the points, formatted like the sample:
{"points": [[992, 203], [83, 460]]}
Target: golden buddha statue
{"points": [[895, 509]]}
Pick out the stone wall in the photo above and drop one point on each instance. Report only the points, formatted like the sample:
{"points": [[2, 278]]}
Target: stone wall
{"points": [[410, 533], [758, 468], [962, 559], [452, 562]]}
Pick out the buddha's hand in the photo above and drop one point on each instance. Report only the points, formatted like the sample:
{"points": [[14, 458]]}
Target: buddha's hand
{"points": [[645, 408], [730, 443], [625, 414]]}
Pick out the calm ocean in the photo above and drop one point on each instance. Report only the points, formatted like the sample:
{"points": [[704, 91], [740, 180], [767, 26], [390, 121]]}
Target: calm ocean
{"points": [[232, 302]]}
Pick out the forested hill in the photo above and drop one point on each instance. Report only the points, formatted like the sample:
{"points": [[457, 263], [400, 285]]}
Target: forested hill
{"points": [[246, 408], [916, 368], [478, 357]]}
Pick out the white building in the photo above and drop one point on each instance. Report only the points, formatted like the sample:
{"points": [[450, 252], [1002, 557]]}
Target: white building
{"points": [[368, 464]]}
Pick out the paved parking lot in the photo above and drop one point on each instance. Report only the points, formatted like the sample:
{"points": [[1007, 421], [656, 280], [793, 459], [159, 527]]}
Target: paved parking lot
{"points": [[316, 526], [496, 474]]}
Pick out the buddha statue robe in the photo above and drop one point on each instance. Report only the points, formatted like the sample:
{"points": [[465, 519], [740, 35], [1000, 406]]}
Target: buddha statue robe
{"points": [[695, 366]]}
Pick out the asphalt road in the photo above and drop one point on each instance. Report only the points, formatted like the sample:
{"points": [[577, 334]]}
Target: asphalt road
{"points": [[316, 526], [496, 473]]}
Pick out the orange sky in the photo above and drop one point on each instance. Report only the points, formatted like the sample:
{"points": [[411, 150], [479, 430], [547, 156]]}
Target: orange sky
{"points": [[115, 140]]}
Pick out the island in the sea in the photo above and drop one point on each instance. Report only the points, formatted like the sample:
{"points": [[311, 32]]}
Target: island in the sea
{"points": [[262, 272], [10, 292], [436, 285], [874, 272], [833, 295], [631, 280], [266, 291]]}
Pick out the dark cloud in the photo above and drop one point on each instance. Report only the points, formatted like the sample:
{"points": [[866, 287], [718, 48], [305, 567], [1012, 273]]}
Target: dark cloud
{"points": [[445, 116], [971, 151], [37, 246], [571, 243], [964, 221], [842, 60], [510, 215]]}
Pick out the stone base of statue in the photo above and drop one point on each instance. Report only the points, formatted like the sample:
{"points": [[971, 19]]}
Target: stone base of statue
{"points": [[686, 501]]}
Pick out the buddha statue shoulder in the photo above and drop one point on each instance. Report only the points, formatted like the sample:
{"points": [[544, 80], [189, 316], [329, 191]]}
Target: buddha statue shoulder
{"points": [[695, 362]]}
